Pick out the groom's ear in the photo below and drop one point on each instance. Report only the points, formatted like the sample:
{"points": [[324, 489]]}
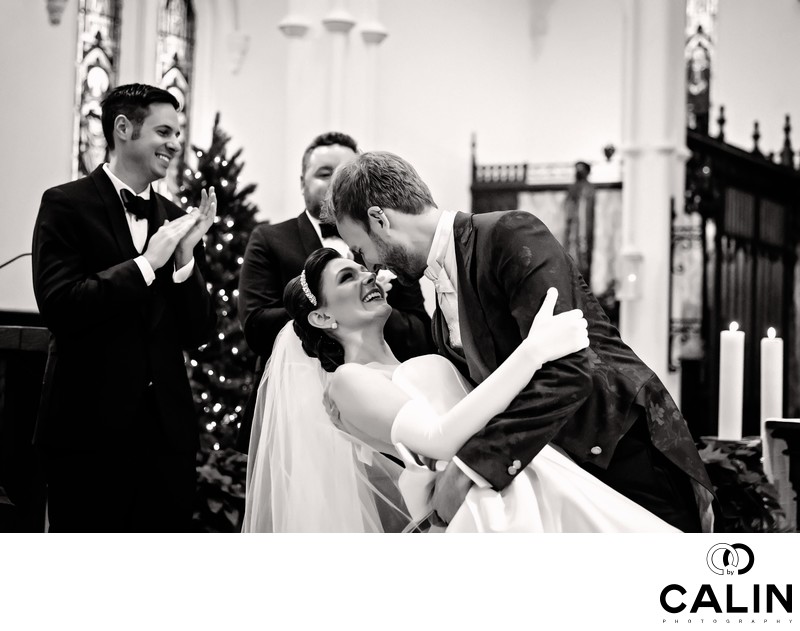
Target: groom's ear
{"points": [[320, 320], [378, 221]]}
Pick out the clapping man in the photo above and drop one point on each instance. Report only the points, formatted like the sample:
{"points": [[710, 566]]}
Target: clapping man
{"points": [[117, 281]]}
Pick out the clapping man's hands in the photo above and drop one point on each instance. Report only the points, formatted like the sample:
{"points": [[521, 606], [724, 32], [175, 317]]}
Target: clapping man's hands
{"points": [[165, 241], [204, 218]]}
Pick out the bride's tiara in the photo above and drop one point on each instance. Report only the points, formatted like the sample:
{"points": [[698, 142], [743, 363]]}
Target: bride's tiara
{"points": [[311, 298]]}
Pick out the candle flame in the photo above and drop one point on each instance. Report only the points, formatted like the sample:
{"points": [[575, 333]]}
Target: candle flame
{"points": [[734, 326], [771, 333]]}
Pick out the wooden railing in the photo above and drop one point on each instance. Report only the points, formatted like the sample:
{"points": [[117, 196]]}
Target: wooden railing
{"points": [[750, 208], [23, 354]]}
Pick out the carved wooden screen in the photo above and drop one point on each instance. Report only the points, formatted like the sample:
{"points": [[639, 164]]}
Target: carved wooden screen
{"points": [[543, 189], [750, 208]]}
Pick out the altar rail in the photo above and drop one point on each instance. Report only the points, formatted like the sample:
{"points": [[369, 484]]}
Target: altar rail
{"points": [[750, 208], [23, 354]]}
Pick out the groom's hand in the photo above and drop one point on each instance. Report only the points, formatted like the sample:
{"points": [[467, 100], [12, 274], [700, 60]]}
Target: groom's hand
{"points": [[450, 491]]}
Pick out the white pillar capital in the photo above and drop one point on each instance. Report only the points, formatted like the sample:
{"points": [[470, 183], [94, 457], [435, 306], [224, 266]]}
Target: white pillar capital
{"points": [[294, 25], [338, 21], [373, 33]]}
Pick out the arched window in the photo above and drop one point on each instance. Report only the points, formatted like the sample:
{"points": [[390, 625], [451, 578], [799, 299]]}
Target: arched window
{"points": [[174, 67], [98, 49]]}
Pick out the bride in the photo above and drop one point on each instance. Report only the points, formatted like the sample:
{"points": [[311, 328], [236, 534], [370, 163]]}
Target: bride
{"points": [[334, 402]]}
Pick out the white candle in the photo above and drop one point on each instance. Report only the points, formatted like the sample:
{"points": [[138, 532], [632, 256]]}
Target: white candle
{"points": [[771, 387], [731, 383]]}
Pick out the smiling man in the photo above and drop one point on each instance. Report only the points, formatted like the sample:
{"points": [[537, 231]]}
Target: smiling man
{"points": [[116, 283]]}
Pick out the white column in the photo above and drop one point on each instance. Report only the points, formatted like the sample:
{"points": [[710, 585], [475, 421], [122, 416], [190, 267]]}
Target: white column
{"points": [[338, 23], [373, 33], [210, 21], [653, 153], [138, 43], [294, 26]]}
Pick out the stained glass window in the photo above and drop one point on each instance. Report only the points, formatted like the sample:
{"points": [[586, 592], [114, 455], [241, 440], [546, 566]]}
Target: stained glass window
{"points": [[98, 50], [174, 70], [699, 50]]}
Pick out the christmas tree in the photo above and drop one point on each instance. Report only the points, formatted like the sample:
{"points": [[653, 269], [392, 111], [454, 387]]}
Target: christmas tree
{"points": [[221, 372]]}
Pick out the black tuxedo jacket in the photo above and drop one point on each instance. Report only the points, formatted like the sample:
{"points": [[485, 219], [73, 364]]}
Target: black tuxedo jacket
{"points": [[112, 334], [275, 255], [584, 402]]}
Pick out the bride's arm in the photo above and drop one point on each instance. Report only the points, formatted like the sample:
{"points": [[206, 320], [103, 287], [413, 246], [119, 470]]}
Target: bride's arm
{"points": [[378, 407]]}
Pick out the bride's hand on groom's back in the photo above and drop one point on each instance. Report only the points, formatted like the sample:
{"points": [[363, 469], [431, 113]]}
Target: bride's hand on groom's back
{"points": [[555, 336]]}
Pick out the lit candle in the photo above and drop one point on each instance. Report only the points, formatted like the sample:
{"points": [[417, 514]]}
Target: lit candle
{"points": [[731, 382], [771, 388]]}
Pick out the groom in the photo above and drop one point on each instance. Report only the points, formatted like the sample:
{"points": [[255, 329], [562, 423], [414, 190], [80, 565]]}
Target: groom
{"points": [[603, 406]]}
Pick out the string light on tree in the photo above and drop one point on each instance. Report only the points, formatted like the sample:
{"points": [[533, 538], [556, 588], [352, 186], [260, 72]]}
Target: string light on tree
{"points": [[222, 371]]}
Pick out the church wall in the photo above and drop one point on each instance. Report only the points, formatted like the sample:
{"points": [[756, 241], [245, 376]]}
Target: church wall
{"points": [[38, 79], [755, 73], [535, 80]]}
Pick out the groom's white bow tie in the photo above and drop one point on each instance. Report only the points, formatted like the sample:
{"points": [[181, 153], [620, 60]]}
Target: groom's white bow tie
{"points": [[436, 274]]}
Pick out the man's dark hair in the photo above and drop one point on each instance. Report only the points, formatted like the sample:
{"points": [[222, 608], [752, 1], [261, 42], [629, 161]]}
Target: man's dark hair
{"points": [[132, 101], [324, 140], [377, 178]]}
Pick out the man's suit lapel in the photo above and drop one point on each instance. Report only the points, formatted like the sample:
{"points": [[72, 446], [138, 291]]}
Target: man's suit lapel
{"points": [[441, 338], [164, 274], [476, 335], [120, 229], [308, 236], [116, 214]]}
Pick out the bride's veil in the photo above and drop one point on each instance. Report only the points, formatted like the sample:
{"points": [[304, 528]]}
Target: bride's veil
{"points": [[303, 473]]}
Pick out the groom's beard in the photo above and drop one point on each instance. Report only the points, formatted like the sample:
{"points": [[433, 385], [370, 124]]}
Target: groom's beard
{"points": [[408, 266]]}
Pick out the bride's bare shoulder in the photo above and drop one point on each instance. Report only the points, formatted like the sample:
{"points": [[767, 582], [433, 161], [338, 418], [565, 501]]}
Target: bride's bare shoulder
{"points": [[353, 376]]}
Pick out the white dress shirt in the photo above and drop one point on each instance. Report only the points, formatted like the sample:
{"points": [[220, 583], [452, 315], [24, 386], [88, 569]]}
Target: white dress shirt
{"points": [[337, 243], [138, 228], [442, 271]]}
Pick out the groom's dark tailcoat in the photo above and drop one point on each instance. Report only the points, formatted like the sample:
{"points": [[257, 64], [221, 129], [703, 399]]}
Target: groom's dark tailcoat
{"points": [[603, 406], [117, 422], [275, 255]]}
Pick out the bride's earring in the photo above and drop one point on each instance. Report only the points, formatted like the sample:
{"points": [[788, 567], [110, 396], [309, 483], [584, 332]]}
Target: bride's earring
{"points": [[334, 325]]}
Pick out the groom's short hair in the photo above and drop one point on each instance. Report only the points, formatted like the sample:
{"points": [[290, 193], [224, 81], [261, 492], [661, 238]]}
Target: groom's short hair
{"points": [[375, 178]]}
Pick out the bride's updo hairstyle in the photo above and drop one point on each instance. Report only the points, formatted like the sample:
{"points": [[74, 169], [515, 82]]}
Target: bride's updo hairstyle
{"points": [[316, 342]]}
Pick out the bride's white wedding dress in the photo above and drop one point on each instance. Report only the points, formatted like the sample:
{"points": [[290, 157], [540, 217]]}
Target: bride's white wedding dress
{"points": [[308, 473], [552, 494]]}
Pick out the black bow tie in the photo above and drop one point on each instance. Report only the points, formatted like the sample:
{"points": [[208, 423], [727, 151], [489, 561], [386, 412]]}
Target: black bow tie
{"points": [[328, 230], [135, 205]]}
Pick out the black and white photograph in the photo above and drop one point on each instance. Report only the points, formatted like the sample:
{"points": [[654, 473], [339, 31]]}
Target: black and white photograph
{"points": [[285, 282]]}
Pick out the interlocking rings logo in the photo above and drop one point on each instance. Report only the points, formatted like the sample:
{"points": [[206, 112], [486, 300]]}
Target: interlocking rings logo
{"points": [[724, 556]]}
